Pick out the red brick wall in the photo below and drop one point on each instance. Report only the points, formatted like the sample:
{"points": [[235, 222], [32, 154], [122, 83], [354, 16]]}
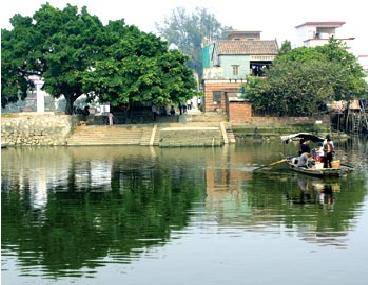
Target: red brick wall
{"points": [[209, 87], [240, 112]]}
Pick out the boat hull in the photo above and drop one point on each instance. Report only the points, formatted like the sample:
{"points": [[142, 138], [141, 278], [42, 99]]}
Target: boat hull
{"points": [[325, 172]]}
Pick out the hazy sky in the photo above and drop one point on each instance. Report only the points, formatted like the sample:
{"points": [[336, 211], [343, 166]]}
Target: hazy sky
{"points": [[275, 18]]}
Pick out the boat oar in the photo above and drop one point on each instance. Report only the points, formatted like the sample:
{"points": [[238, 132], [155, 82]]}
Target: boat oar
{"points": [[272, 164], [347, 165]]}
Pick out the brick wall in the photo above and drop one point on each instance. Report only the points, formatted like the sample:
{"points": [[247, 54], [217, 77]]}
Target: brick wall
{"points": [[224, 86], [240, 112]]}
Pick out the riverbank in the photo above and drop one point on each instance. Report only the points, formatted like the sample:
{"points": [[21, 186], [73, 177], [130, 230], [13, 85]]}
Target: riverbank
{"points": [[33, 129]]}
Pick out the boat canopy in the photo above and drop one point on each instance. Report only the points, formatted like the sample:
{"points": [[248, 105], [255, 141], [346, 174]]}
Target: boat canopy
{"points": [[305, 136]]}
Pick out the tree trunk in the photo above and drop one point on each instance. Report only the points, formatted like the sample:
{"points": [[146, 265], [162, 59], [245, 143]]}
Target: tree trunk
{"points": [[69, 102], [130, 109]]}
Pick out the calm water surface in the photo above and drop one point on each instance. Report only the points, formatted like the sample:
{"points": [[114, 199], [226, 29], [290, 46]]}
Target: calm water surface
{"points": [[139, 215]]}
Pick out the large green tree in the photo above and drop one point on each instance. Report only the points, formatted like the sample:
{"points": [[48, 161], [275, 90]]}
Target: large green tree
{"points": [[138, 67], [187, 31], [75, 54], [302, 80], [57, 44]]}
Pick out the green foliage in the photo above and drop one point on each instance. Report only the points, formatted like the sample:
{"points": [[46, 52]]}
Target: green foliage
{"points": [[303, 80], [187, 31], [285, 47], [58, 45], [14, 82], [138, 67], [75, 54]]}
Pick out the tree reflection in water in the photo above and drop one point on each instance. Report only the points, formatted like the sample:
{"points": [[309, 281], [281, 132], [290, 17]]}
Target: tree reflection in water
{"points": [[84, 221], [72, 209]]}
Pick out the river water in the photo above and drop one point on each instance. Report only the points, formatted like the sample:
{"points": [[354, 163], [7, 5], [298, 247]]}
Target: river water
{"points": [[140, 215]]}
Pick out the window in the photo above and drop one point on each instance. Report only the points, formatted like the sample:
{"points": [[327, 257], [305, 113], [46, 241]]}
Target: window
{"points": [[216, 97], [235, 69]]}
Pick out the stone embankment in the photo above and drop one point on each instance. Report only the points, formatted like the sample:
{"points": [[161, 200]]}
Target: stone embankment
{"points": [[199, 130], [35, 129], [274, 127]]}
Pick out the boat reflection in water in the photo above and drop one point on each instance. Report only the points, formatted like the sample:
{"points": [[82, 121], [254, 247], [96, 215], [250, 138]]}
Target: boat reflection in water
{"points": [[68, 211], [315, 191]]}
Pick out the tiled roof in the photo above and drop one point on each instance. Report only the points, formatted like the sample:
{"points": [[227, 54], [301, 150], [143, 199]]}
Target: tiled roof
{"points": [[246, 47]]}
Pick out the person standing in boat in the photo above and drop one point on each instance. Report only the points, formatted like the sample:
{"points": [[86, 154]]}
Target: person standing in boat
{"points": [[319, 153], [329, 149]]}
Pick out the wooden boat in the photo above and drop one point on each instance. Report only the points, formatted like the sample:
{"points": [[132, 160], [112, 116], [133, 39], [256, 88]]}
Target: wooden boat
{"points": [[339, 170], [323, 172]]}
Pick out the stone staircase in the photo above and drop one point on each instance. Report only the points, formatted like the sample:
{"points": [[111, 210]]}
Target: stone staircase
{"points": [[157, 138], [146, 136], [230, 134], [197, 134], [107, 135]]}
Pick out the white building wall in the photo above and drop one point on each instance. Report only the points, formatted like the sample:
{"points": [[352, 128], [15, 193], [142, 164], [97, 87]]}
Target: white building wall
{"points": [[306, 35]]}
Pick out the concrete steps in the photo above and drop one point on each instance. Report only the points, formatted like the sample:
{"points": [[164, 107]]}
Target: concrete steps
{"points": [[106, 135], [190, 136], [230, 134], [157, 138], [146, 136], [157, 135]]}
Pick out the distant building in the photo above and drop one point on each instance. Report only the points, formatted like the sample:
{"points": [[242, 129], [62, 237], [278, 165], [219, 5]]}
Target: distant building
{"points": [[312, 34], [227, 63]]}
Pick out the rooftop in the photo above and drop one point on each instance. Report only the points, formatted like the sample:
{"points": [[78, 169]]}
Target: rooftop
{"points": [[243, 31], [322, 24], [249, 47]]}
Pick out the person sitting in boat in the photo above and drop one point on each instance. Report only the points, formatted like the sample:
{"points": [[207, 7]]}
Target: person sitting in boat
{"points": [[303, 147], [303, 160]]}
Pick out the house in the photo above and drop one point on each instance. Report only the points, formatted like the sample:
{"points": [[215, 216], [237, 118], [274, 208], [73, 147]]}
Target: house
{"points": [[312, 34], [227, 63]]}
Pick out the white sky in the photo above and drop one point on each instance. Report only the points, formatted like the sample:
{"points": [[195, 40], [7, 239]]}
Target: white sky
{"points": [[275, 18]]}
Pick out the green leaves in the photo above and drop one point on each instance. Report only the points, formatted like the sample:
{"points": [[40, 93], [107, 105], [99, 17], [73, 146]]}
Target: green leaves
{"points": [[58, 45], [301, 81], [76, 54], [139, 68]]}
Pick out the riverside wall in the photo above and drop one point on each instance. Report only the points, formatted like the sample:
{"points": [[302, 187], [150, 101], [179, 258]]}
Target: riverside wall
{"points": [[190, 136], [34, 129], [274, 127]]}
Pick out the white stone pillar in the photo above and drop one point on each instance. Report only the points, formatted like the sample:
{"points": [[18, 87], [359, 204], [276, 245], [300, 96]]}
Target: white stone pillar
{"points": [[40, 96], [195, 102]]}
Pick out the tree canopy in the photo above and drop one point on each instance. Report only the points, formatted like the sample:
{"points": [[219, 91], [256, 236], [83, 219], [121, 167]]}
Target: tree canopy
{"points": [[302, 80], [187, 31], [139, 67], [285, 47], [75, 54], [14, 67]]}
